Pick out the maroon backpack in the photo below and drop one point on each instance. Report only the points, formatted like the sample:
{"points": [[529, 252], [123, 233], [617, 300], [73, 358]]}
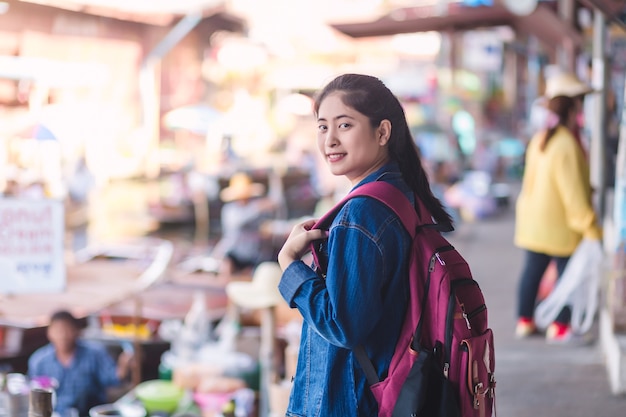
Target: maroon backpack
{"points": [[443, 364]]}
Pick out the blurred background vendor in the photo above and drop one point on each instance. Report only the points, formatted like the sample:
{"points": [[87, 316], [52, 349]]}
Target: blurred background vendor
{"points": [[244, 210], [80, 372]]}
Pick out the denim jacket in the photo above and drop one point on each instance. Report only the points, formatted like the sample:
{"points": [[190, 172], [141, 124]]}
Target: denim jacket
{"points": [[361, 301]]}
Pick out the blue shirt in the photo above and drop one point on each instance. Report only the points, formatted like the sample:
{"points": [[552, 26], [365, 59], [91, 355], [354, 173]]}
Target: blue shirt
{"points": [[361, 301], [83, 383]]}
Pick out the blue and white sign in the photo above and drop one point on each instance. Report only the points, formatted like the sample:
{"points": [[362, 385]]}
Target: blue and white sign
{"points": [[31, 246]]}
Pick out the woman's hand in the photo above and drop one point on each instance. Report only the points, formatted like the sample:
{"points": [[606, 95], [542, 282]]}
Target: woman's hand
{"points": [[297, 244]]}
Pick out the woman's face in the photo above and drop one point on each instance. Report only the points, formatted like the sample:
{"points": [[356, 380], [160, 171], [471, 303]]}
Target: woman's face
{"points": [[347, 141]]}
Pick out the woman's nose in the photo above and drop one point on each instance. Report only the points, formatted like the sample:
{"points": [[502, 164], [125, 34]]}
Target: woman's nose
{"points": [[331, 139]]}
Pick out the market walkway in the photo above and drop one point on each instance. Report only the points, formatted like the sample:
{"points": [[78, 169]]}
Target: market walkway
{"points": [[533, 379]]}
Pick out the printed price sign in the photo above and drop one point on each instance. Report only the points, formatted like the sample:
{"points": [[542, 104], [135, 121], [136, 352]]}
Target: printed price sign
{"points": [[31, 246]]}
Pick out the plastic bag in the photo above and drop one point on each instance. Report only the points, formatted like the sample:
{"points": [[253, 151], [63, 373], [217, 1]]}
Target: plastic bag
{"points": [[577, 287]]}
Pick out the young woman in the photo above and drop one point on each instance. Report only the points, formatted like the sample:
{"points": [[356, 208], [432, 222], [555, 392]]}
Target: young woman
{"points": [[554, 210], [363, 135]]}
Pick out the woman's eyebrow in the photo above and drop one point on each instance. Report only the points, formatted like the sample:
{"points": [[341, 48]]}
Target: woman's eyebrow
{"points": [[341, 116]]}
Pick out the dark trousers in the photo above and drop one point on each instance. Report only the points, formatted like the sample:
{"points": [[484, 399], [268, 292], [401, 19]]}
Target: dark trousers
{"points": [[535, 265]]}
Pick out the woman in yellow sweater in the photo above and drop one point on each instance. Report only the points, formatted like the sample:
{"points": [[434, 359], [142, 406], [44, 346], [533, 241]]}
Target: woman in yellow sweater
{"points": [[554, 210]]}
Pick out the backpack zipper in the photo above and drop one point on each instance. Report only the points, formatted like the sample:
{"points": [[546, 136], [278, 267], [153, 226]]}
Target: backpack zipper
{"points": [[465, 316], [468, 316], [477, 311], [436, 257], [431, 266]]}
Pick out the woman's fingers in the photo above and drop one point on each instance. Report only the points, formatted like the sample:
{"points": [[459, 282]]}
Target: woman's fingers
{"points": [[297, 244], [316, 234], [307, 224]]}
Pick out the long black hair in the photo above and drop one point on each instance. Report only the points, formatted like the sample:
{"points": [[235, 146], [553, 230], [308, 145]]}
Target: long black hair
{"points": [[561, 108], [369, 96]]}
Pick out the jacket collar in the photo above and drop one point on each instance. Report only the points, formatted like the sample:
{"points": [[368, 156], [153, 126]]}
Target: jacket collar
{"points": [[391, 170]]}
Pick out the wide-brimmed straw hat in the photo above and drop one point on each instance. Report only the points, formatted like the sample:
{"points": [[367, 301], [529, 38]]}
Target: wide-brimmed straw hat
{"points": [[261, 292], [241, 187], [566, 84]]}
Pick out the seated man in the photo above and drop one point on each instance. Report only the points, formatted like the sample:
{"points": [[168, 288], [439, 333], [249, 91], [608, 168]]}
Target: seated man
{"points": [[83, 371]]}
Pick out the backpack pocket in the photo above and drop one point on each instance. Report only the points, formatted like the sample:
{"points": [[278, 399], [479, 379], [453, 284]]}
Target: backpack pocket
{"points": [[471, 303], [476, 370], [420, 391]]}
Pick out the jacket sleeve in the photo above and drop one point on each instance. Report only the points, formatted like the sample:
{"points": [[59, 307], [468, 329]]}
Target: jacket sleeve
{"points": [[345, 306], [573, 186]]}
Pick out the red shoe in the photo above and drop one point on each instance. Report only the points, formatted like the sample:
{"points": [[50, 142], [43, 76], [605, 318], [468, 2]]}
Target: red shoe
{"points": [[558, 333], [525, 328]]}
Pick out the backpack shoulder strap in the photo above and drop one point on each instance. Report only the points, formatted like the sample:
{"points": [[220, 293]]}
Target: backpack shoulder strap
{"points": [[411, 217], [395, 199], [385, 193], [402, 207]]}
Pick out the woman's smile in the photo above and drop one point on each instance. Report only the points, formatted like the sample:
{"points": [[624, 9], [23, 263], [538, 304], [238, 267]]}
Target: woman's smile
{"points": [[335, 157]]}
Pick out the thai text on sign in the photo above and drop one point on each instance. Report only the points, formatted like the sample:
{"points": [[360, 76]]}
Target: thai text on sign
{"points": [[31, 246]]}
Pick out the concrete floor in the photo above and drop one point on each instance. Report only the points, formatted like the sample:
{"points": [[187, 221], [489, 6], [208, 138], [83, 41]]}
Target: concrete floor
{"points": [[534, 379]]}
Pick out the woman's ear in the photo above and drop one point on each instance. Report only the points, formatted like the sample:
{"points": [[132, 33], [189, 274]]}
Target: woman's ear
{"points": [[383, 132]]}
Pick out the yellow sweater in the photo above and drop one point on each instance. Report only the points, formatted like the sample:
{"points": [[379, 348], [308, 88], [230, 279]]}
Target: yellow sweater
{"points": [[554, 210]]}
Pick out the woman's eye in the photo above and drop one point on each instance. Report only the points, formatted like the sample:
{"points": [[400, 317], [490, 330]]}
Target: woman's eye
{"points": [[344, 125], [322, 128]]}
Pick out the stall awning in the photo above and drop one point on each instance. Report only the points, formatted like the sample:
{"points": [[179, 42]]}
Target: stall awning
{"points": [[543, 22], [152, 12], [548, 27], [615, 10], [428, 18]]}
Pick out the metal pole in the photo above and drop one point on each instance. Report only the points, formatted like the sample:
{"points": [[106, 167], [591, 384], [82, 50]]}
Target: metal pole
{"points": [[150, 82], [174, 36], [597, 147], [619, 208], [534, 71], [150, 91], [565, 54], [266, 358]]}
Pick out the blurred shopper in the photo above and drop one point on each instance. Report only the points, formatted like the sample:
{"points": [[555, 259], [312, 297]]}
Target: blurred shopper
{"points": [[486, 159], [363, 135], [442, 181], [464, 127], [240, 246], [82, 371], [554, 210], [80, 183]]}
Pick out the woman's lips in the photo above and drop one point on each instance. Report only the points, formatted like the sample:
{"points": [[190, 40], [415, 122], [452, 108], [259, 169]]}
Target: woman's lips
{"points": [[334, 157]]}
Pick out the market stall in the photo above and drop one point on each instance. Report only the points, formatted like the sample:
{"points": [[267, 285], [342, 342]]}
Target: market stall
{"points": [[94, 279]]}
